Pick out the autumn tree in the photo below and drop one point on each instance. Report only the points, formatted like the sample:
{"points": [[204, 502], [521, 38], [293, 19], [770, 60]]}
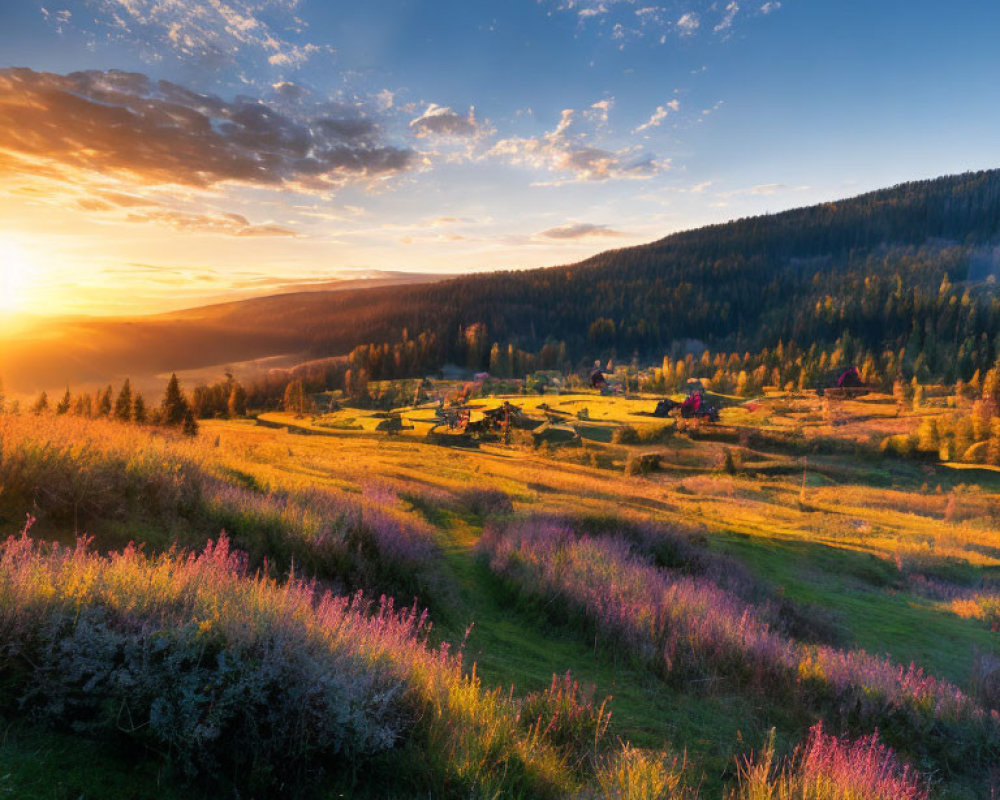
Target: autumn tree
{"points": [[296, 400], [237, 403]]}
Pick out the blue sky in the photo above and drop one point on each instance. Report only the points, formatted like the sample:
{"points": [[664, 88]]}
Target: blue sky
{"points": [[246, 144]]}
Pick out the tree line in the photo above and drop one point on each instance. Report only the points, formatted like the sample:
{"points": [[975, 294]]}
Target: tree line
{"points": [[175, 409], [909, 270]]}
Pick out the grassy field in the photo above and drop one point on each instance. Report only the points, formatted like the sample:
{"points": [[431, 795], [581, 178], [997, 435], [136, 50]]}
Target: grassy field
{"points": [[773, 571]]}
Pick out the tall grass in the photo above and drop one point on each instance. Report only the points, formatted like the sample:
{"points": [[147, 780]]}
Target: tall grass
{"points": [[690, 631], [826, 767], [126, 483], [237, 677], [685, 627]]}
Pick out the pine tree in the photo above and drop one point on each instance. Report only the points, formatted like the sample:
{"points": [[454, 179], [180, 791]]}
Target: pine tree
{"points": [[123, 403], [41, 404], [174, 405], [83, 405], [63, 406], [3, 399], [139, 415], [190, 424], [104, 403]]}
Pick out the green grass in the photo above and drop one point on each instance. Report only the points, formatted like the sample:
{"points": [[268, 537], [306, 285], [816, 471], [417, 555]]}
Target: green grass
{"points": [[45, 765]]}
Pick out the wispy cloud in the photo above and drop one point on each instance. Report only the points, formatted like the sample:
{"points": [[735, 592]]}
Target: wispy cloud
{"points": [[688, 23], [626, 20], [227, 224], [658, 116], [579, 230], [732, 9], [218, 33]]}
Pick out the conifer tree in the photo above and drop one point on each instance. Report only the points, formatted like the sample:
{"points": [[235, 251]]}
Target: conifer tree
{"points": [[63, 406], [139, 415], [83, 405], [190, 425], [123, 403], [41, 404], [174, 405], [104, 403]]}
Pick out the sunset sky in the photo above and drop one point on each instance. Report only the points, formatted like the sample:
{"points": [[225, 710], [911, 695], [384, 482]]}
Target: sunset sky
{"points": [[161, 154]]}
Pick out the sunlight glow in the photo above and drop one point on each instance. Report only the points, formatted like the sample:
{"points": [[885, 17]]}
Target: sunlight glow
{"points": [[15, 276]]}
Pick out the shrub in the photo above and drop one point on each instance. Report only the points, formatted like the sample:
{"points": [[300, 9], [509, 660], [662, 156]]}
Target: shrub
{"points": [[642, 463], [484, 502], [226, 674], [626, 434], [237, 677]]}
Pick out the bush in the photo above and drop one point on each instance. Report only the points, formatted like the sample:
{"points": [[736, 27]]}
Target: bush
{"points": [[227, 675], [642, 463], [484, 502], [625, 434]]}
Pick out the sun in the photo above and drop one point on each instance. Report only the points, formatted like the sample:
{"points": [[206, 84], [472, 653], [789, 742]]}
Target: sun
{"points": [[15, 277]]}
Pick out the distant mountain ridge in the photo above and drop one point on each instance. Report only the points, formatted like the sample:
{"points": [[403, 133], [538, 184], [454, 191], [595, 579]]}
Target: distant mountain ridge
{"points": [[870, 267]]}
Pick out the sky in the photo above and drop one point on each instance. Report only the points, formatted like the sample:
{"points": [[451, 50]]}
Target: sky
{"points": [[159, 154]]}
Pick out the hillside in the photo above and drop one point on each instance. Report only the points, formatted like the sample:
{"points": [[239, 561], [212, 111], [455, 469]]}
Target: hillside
{"points": [[890, 269], [598, 632]]}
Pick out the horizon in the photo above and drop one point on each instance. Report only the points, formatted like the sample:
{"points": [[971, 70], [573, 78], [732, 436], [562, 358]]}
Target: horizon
{"points": [[160, 157]]}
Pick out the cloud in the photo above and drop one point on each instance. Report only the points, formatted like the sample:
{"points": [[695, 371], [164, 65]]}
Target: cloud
{"points": [[764, 190], [569, 149], [658, 116], [218, 33], [688, 23], [226, 224], [89, 126], [58, 19], [624, 21], [579, 230], [727, 20], [442, 121]]}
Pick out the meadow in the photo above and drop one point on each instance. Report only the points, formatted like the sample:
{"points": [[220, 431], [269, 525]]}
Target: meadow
{"points": [[308, 606]]}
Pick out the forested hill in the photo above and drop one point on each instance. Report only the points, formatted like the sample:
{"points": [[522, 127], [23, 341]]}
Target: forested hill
{"points": [[907, 271], [871, 267]]}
